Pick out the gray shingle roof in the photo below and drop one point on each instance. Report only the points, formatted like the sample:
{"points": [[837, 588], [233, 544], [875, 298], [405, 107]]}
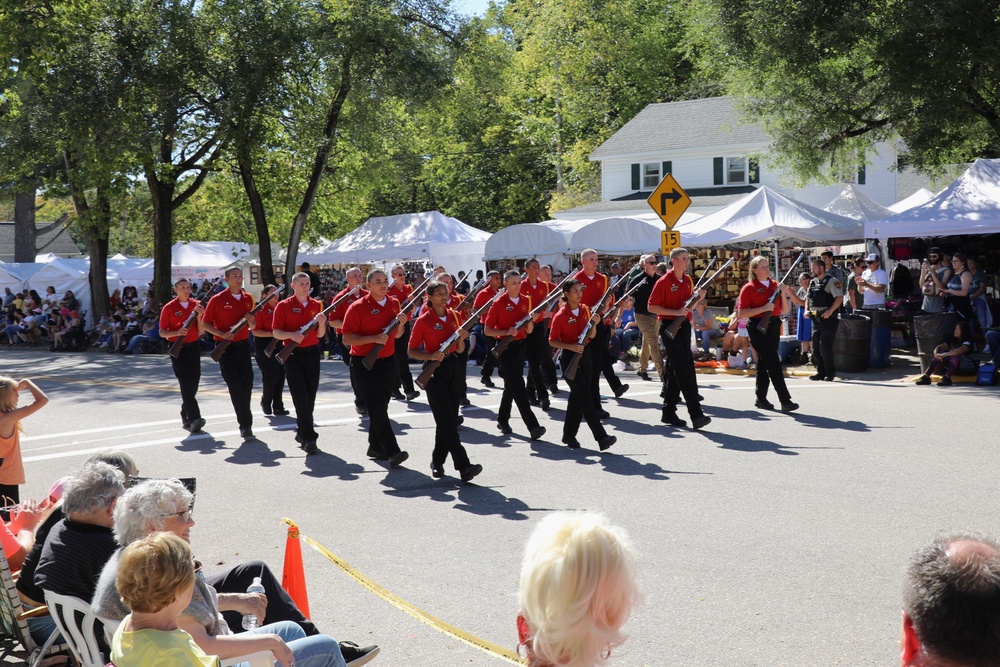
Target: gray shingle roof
{"points": [[672, 126], [56, 241]]}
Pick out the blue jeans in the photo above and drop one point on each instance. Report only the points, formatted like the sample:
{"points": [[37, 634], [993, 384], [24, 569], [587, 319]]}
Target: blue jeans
{"points": [[315, 651], [993, 340]]}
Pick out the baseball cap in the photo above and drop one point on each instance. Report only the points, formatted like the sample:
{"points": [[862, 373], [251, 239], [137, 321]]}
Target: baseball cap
{"points": [[872, 258]]}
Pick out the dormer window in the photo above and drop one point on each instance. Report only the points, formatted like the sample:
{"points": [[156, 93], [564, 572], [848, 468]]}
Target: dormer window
{"points": [[650, 175]]}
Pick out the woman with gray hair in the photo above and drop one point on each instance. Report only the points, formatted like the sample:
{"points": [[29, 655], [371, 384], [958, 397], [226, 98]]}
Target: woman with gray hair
{"points": [[166, 505]]}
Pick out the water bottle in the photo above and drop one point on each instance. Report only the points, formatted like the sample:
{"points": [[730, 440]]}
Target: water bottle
{"points": [[250, 621]]}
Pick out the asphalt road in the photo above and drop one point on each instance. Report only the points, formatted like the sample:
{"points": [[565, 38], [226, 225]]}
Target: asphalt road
{"points": [[766, 539]]}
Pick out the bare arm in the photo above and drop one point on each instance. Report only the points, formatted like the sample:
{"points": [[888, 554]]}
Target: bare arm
{"points": [[231, 646], [20, 413]]}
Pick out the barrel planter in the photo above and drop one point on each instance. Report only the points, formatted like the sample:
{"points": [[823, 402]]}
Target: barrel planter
{"points": [[930, 331], [850, 345], [881, 338]]}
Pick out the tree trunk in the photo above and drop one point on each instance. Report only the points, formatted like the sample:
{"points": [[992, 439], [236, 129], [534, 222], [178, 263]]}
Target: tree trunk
{"points": [[96, 241], [245, 164], [162, 194], [25, 238]]}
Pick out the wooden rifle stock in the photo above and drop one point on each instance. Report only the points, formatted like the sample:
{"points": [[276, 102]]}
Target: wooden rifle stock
{"points": [[765, 319], [676, 324], [502, 344], [372, 356], [290, 345], [175, 349], [449, 345], [220, 349], [570, 371]]}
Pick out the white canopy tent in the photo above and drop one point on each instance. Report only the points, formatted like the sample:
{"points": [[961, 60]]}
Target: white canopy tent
{"points": [[618, 236], [547, 241], [766, 216], [970, 205], [429, 237], [916, 199], [201, 260], [15, 275], [66, 274], [854, 204]]}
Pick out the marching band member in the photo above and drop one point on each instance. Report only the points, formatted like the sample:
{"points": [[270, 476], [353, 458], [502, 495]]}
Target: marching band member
{"points": [[536, 344], [353, 278], [272, 373], [401, 291], [187, 364]]}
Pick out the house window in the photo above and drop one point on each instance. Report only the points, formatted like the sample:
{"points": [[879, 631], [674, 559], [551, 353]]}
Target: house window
{"points": [[650, 175], [736, 170]]}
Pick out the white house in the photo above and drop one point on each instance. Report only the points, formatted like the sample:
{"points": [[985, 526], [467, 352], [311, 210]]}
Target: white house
{"points": [[716, 159]]}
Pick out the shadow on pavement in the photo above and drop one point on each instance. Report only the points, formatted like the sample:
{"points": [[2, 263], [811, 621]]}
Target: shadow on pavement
{"points": [[203, 443], [255, 452], [487, 501], [736, 443], [408, 483], [323, 464], [612, 462]]}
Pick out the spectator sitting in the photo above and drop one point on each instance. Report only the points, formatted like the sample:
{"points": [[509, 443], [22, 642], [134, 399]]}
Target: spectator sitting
{"points": [[72, 323], [577, 590], [705, 327], [855, 298], [626, 330], [803, 330], [737, 339], [951, 355], [951, 603], [130, 297], [145, 341], [69, 302], [156, 580], [18, 536], [977, 292]]}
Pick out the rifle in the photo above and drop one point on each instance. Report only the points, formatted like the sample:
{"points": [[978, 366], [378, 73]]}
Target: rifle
{"points": [[452, 342], [545, 303], [611, 310], [220, 349], [290, 345], [372, 356], [765, 319], [676, 324], [175, 349], [570, 371], [471, 296]]}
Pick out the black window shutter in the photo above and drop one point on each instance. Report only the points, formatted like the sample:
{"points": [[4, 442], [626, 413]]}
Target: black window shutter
{"points": [[668, 168], [636, 177], [719, 169], [754, 171], [861, 175]]}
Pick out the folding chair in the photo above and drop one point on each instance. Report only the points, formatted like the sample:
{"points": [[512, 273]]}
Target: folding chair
{"points": [[75, 621], [13, 620]]}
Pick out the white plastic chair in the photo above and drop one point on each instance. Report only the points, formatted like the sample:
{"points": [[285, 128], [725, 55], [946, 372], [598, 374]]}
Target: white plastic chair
{"points": [[258, 659], [75, 621], [13, 621]]}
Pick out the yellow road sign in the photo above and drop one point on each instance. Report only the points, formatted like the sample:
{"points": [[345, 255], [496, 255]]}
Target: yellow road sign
{"points": [[669, 201], [668, 241]]}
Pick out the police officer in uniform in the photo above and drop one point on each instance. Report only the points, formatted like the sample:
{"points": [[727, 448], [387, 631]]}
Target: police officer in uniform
{"points": [[826, 294], [187, 364]]}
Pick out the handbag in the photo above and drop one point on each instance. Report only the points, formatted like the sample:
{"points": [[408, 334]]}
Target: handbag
{"points": [[735, 360]]}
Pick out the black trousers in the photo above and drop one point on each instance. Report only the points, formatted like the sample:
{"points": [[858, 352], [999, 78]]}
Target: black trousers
{"points": [[345, 354], [405, 378], [272, 374], [603, 363], [238, 374], [280, 607], [511, 364], [678, 370], [769, 371], [187, 369], [581, 401], [302, 371], [490, 362], [536, 350], [444, 391], [824, 331], [375, 387]]}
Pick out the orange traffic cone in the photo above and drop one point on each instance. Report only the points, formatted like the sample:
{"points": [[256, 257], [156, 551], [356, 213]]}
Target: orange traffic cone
{"points": [[293, 578]]}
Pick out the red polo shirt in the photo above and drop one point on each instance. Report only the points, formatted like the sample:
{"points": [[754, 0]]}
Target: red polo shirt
{"points": [[291, 315], [593, 288], [265, 316], [483, 296], [566, 327], [367, 317], [430, 331], [669, 292], [224, 310], [504, 314], [400, 293], [755, 295], [173, 316], [341, 310]]}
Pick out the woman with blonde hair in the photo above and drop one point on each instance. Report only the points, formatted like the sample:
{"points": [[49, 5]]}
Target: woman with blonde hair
{"points": [[762, 295], [11, 467], [577, 590]]}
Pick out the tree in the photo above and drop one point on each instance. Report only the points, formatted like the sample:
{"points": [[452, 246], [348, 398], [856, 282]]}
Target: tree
{"points": [[831, 79]]}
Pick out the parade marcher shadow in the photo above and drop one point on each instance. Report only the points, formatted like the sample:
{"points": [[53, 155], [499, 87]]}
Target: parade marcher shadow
{"points": [[487, 501], [203, 443], [736, 443], [323, 464], [616, 426], [753, 414], [473, 436], [817, 421], [611, 461], [407, 483], [255, 452]]}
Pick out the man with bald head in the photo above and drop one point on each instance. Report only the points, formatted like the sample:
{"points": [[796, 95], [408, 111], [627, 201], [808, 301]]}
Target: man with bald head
{"points": [[951, 603]]}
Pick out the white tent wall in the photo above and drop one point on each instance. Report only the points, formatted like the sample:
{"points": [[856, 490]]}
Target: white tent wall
{"points": [[204, 260], [919, 197], [618, 236], [15, 275], [548, 243], [66, 275]]}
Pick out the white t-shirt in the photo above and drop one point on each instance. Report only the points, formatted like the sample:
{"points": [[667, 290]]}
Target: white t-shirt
{"points": [[877, 277]]}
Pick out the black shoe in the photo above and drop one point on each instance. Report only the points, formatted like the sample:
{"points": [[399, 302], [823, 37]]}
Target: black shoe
{"points": [[465, 402], [553, 388], [266, 408], [471, 472], [571, 442], [437, 471], [672, 419], [281, 412], [487, 381], [545, 404], [186, 427], [643, 375], [505, 428], [764, 404], [606, 442], [828, 378], [197, 425], [603, 414], [699, 397], [924, 379], [461, 420], [410, 395], [700, 422], [534, 402], [398, 459], [246, 434], [362, 410], [663, 393], [815, 377], [310, 447], [620, 391], [789, 406], [355, 656], [372, 453], [398, 395], [945, 382], [537, 432]]}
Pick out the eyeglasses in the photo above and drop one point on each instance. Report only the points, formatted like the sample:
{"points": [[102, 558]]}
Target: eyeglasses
{"points": [[184, 516], [652, 261]]}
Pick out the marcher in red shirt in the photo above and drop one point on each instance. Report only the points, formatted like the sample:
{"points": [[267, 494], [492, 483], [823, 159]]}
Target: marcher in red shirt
{"points": [[353, 278], [187, 364], [500, 323], [454, 301], [401, 291], [436, 324], [667, 300], [568, 325], [537, 346], [224, 312], [364, 323], [272, 373], [754, 301], [493, 283]]}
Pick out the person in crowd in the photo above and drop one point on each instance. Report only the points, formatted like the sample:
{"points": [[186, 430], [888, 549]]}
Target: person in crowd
{"points": [[354, 278], [483, 339], [950, 355], [856, 298], [463, 287], [706, 329], [178, 321], [400, 290], [272, 373], [436, 324], [314, 281], [934, 277], [72, 324], [11, 415], [224, 311], [757, 298], [646, 321], [568, 325], [577, 590], [668, 300], [831, 268], [302, 367], [595, 284], [8, 297], [824, 298], [144, 342], [498, 323], [959, 288], [114, 300], [364, 325], [219, 601], [625, 330], [156, 581], [537, 342], [984, 319], [803, 329], [951, 603], [874, 283], [69, 302], [17, 536], [736, 341]]}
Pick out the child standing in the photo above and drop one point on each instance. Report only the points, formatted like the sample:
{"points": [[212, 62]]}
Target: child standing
{"points": [[11, 468]]}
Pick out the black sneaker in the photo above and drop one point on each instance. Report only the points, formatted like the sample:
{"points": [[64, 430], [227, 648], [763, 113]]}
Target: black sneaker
{"points": [[410, 395], [471, 472], [246, 433], [537, 432], [945, 382], [603, 414], [265, 408], [197, 425], [620, 391], [815, 377], [437, 471], [763, 404], [281, 412], [571, 442], [606, 442], [505, 428], [643, 375], [398, 459], [355, 656], [487, 381], [700, 422], [310, 447], [789, 406], [673, 420], [924, 380]]}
